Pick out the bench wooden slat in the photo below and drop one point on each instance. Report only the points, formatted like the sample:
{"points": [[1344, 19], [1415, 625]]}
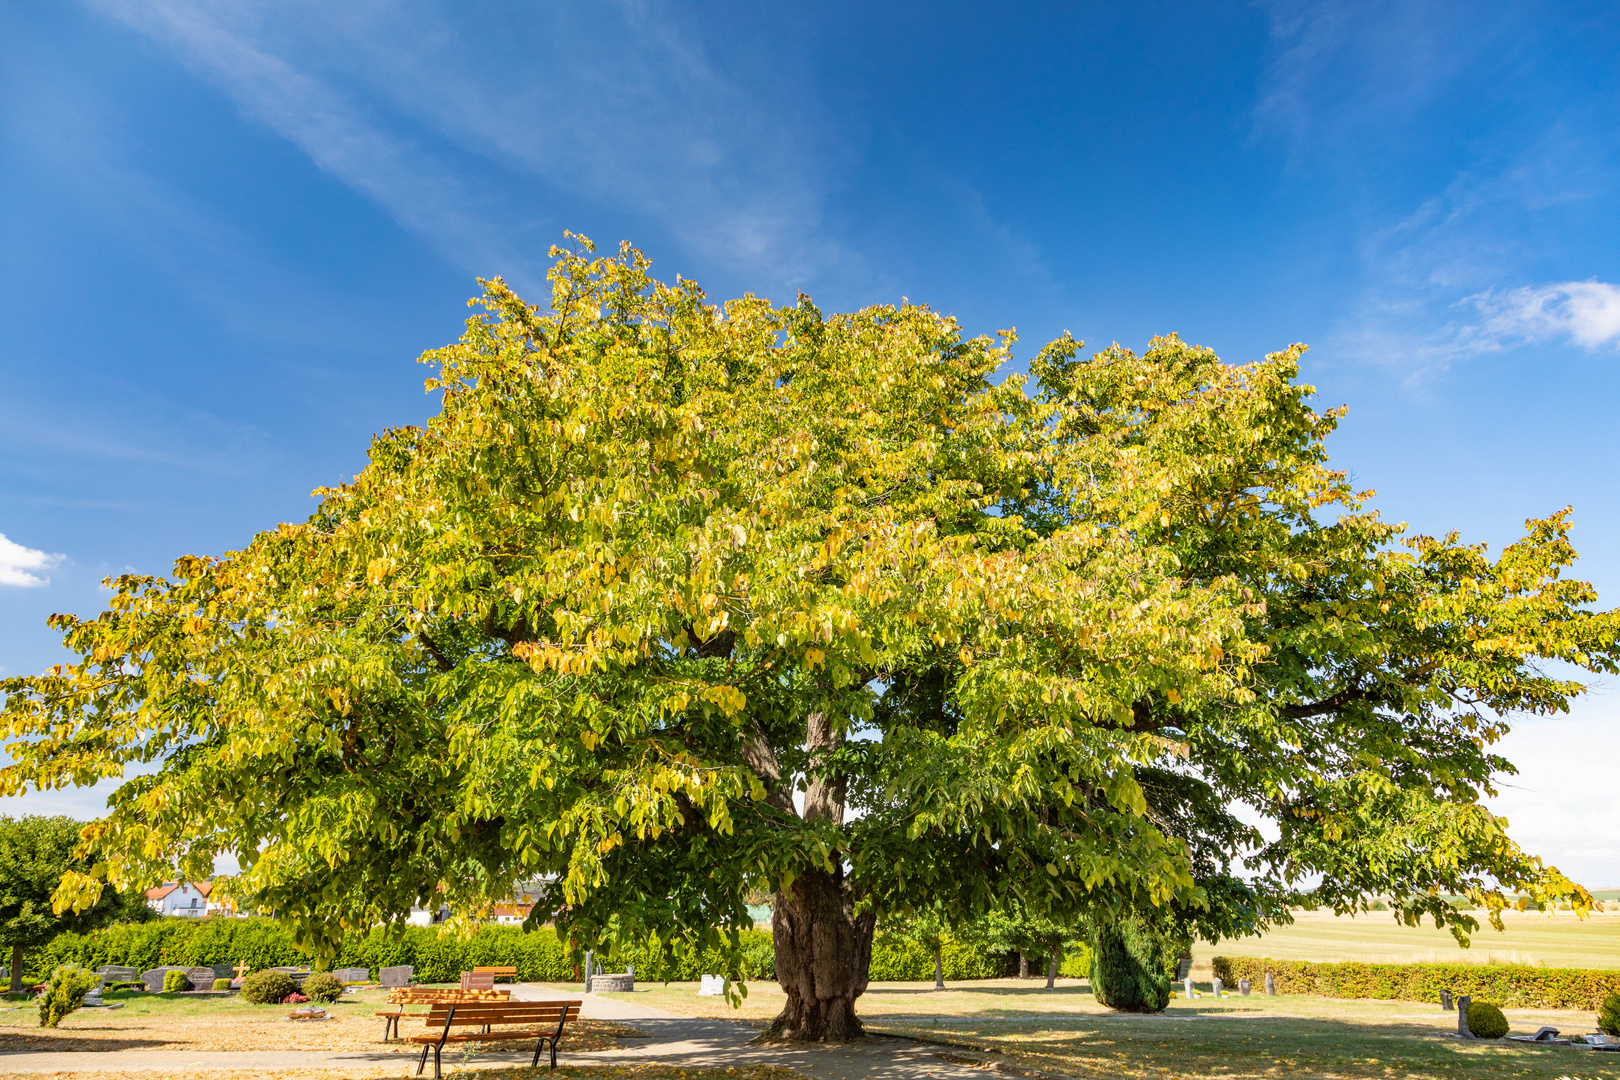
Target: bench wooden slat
{"points": [[542, 1021]]}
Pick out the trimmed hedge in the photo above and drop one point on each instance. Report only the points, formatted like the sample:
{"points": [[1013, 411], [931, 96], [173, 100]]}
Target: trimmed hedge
{"points": [[1515, 986], [440, 956], [897, 960]]}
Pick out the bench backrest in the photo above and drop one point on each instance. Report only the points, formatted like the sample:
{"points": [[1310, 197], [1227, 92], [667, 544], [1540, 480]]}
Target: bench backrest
{"points": [[477, 980], [493, 1013], [422, 995], [498, 972]]}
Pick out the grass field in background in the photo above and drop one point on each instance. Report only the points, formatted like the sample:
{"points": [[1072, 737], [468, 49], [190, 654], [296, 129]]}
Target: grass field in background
{"points": [[1556, 940]]}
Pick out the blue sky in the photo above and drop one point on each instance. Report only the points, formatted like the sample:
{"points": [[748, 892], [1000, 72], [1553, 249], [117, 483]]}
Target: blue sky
{"points": [[227, 230]]}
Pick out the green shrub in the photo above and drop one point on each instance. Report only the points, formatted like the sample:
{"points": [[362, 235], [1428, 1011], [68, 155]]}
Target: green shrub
{"points": [[901, 960], [222, 984], [1609, 1014], [64, 992], [323, 986], [1515, 986], [1128, 968], [267, 987], [1075, 962], [1486, 1021], [175, 982]]}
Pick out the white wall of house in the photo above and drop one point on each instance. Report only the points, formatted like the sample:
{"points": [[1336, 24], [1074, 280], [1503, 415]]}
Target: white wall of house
{"points": [[184, 900]]}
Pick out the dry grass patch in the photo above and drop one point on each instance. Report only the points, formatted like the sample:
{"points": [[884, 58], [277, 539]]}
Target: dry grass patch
{"points": [[563, 1072], [185, 1022]]}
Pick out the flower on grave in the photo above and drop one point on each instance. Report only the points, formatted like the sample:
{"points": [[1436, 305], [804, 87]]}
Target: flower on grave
{"points": [[294, 998]]}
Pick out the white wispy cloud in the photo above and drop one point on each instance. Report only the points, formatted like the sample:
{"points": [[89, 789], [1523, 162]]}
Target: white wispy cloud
{"points": [[1584, 312], [18, 564], [464, 139]]}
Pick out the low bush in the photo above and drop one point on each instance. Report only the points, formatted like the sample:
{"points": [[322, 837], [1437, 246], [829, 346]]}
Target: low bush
{"points": [[1515, 986], [175, 982], [1486, 1021], [1608, 1019], [222, 984], [64, 992], [323, 986], [294, 998], [267, 987], [901, 960], [1129, 968]]}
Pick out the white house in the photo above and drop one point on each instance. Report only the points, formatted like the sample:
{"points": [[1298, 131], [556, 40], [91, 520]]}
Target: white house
{"points": [[188, 899]]}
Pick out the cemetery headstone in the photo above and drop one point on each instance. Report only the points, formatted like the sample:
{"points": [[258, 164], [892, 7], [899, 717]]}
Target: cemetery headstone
{"points": [[396, 976], [1187, 988], [1216, 987], [712, 986], [1243, 987], [1445, 1001], [154, 978], [353, 975], [1463, 1001], [1271, 985]]}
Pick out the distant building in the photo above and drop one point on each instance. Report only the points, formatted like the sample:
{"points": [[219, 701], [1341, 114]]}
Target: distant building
{"points": [[186, 899]]}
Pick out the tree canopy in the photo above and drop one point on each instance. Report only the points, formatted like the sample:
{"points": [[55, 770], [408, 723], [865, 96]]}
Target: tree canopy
{"points": [[671, 601], [35, 853]]}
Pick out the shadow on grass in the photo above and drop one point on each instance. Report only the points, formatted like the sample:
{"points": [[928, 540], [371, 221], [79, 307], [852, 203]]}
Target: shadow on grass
{"points": [[1237, 1046]]}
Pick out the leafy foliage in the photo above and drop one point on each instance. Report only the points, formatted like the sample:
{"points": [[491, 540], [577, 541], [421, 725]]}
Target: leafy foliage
{"points": [[1130, 967], [64, 992], [1609, 1013], [323, 986], [35, 853], [1485, 1021], [1516, 986], [267, 987], [176, 982], [654, 562]]}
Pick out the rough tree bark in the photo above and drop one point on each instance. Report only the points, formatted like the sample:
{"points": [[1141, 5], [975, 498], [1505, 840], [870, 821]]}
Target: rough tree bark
{"points": [[1051, 968], [1023, 965], [939, 965], [823, 949], [16, 969]]}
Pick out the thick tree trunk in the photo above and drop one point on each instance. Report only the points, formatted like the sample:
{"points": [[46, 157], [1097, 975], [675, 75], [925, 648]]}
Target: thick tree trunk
{"points": [[1023, 965], [16, 969], [1051, 968], [939, 966], [822, 955], [823, 952]]}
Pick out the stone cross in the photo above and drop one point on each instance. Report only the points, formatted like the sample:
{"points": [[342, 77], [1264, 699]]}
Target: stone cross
{"points": [[1463, 1001], [242, 970]]}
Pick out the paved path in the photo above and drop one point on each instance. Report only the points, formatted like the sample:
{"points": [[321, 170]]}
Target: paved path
{"points": [[684, 1042]]}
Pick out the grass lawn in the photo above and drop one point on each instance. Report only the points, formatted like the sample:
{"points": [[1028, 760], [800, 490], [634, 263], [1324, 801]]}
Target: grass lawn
{"points": [[1024, 1026], [1558, 939], [208, 1022], [564, 1072]]}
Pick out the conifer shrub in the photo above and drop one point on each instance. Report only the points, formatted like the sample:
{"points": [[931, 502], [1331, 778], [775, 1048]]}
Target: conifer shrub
{"points": [[1486, 1021], [175, 982], [64, 993], [1609, 1014], [267, 987], [1129, 968], [222, 984]]}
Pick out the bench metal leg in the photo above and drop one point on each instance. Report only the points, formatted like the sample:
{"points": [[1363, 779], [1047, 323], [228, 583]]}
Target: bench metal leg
{"points": [[539, 1046], [436, 1049], [420, 1065]]}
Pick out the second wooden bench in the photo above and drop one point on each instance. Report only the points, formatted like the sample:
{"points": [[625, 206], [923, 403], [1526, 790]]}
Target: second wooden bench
{"points": [[494, 1021]]}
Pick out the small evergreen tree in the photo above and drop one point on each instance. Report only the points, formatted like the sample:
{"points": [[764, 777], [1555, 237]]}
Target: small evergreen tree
{"points": [[64, 993], [1129, 967]]}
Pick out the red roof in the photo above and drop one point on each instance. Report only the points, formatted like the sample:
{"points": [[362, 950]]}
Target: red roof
{"points": [[203, 889]]}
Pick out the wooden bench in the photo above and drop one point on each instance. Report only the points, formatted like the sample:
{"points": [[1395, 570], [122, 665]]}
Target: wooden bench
{"points": [[497, 972], [494, 1021], [403, 997]]}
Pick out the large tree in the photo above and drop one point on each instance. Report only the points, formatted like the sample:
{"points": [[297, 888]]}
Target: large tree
{"points": [[674, 602], [35, 853]]}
